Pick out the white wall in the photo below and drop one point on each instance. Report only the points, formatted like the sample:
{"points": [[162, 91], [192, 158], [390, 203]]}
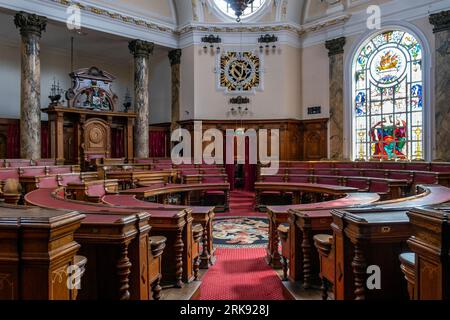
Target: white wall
{"points": [[280, 98]]}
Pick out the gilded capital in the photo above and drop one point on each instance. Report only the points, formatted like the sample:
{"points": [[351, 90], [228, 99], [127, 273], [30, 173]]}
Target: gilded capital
{"points": [[141, 48], [440, 21], [335, 46], [175, 56], [29, 23]]}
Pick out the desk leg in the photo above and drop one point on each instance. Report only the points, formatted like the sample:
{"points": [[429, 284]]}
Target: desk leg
{"points": [[359, 265], [179, 246], [123, 271], [227, 200], [275, 258], [205, 256], [306, 249], [257, 200]]}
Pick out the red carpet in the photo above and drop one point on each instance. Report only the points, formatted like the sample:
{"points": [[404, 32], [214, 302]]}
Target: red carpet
{"points": [[241, 205], [241, 274]]}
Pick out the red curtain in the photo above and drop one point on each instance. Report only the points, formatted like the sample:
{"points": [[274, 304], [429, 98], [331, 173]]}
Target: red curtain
{"points": [[249, 169], [13, 141], [45, 152], [117, 143], [157, 144]]}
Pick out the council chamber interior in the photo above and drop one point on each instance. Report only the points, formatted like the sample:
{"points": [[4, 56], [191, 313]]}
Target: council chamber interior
{"points": [[315, 161]]}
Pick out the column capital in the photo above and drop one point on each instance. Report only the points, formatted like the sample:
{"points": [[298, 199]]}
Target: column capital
{"points": [[175, 56], [141, 48], [440, 21], [29, 23], [335, 46]]}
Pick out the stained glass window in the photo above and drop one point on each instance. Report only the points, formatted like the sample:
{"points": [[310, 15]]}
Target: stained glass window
{"points": [[252, 8], [388, 98]]}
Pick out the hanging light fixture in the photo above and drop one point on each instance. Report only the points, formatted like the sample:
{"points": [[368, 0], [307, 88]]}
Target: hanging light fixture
{"points": [[239, 7]]}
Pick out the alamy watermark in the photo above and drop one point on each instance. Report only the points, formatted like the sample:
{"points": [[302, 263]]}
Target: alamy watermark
{"points": [[241, 146]]}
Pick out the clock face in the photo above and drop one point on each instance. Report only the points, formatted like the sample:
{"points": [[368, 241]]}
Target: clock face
{"points": [[239, 71]]}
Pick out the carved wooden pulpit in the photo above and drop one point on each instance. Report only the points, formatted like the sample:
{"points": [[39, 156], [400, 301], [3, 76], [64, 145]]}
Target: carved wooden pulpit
{"points": [[82, 131]]}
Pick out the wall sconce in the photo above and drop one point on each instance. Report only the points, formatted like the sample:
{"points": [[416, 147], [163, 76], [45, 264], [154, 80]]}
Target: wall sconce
{"points": [[267, 40], [211, 40], [239, 111]]}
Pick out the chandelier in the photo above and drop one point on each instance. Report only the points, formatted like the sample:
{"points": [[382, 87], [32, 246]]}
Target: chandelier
{"points": [[239, 7]]}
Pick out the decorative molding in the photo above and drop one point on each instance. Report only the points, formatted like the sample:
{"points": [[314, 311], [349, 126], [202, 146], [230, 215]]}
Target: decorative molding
{"points": [[141, 48], [335, 46], [30, 23], [440, 21]]}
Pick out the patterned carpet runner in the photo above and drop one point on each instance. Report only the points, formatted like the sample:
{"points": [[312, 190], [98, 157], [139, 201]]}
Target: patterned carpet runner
{"points": [[240, 271]]}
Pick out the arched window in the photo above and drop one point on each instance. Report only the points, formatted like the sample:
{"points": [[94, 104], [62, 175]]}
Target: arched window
{"points": [[388, 100], [225, 8]]}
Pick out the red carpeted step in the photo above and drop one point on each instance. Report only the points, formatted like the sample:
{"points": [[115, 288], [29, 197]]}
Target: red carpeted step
{"points": [[241, 274]]}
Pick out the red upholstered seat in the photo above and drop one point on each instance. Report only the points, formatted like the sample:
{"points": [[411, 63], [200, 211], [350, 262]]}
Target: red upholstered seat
{"points": [[45, 162], [9, 174], [96, 190], [417, 166], [32, 171], [440, 167], [375, 173], [16, 163], [335, 181], [299, 171], [361, 184], [59, 170], [50, 182], [367, 165], [304, 165], [277, 178], [298, 179], [215, 192], [64, 180], [324, 172], [400, 175], [425, 178], [379, 186], [322, 165], [349, 172], [213, 179], [340, 165], [392, 165]]}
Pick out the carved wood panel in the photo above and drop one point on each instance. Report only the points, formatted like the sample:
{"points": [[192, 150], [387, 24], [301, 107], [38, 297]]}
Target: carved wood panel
{"points": [[96, 139]]}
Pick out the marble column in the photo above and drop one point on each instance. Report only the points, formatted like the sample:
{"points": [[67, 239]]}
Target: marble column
{"points": [[441, 23], [141, 51], [336, 55], [175, 60], [31, 27]]}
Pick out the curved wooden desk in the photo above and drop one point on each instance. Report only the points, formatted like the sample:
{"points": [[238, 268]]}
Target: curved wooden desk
{"points": [[373, 235], [202, 215], [184, 189], [298, 188], [279, 215]]}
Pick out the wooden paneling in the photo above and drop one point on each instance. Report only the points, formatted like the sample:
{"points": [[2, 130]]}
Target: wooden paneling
{"points": [[299, 140]]}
